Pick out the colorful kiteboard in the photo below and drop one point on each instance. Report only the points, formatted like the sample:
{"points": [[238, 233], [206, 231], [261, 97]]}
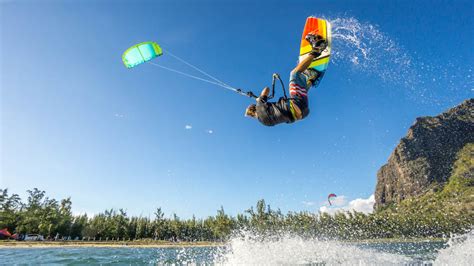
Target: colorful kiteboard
{"points": [[323, 28]]}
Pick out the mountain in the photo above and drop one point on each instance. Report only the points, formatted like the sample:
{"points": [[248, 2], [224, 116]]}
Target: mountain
{"points": [[424, 159]]}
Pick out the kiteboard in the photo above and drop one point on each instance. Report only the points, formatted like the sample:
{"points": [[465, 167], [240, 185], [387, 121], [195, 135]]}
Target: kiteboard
{"points": [[323, 28]]}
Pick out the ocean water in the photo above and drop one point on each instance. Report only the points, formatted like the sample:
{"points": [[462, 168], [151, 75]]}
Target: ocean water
{"points": [[249, 251]]}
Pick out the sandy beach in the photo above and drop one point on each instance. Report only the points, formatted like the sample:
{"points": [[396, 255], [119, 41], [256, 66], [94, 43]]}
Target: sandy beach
{"points": [[104, 244]]}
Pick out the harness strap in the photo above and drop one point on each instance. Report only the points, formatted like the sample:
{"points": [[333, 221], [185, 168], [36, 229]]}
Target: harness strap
{"points": [[289, 103], [274, 78]]}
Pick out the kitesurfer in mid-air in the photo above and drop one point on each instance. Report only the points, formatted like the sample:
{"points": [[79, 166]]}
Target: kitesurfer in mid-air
{"points": [[302, 79]]}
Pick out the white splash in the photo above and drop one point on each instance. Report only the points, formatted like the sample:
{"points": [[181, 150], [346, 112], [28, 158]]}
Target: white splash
{"points": [[460, 251], [293, 250], [370, 51], [367, 48]]}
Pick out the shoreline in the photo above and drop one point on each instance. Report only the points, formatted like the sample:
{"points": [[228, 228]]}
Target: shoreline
{"points": [[167, 244], [104, 244]]}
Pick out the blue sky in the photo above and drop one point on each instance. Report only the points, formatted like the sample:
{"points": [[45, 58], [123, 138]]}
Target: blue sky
{"points": [[75, 122]]}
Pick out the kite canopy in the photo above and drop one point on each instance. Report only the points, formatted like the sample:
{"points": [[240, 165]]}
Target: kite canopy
{"points": [[141, 53], [331, 196]]}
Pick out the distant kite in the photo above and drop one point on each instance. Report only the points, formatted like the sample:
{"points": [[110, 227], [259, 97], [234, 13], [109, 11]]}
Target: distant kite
{"points": [[331, 196]]}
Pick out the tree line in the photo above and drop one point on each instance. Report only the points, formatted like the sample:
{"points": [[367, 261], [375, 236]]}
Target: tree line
{"points": [[54, 219]]}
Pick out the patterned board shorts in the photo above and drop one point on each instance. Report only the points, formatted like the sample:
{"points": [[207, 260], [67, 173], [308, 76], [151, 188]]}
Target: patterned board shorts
{"points": [[299, 86]]}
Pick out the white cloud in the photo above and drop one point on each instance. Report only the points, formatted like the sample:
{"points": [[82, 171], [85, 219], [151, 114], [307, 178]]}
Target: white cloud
{"points": [[363, 205], [188, 126], [119, 115], [328, 210], [359, 205], [339, 201], [210, 131]]}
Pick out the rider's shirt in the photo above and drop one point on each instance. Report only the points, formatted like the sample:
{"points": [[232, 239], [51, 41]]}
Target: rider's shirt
{"points": [[273, 113]]}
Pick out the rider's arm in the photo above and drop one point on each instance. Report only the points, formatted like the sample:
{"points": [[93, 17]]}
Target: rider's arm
{"points": [[265, 92], [262, 99]]}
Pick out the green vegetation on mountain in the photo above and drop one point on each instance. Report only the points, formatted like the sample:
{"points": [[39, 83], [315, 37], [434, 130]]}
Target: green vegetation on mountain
{"points": [[443, 209]]}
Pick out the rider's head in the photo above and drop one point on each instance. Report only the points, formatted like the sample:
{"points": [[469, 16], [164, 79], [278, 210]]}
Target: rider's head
{"points": [[251, 111]]}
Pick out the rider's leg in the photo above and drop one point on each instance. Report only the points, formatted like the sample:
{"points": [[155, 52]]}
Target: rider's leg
{"points": [[304, 64], [298, 81], [301, 83]]}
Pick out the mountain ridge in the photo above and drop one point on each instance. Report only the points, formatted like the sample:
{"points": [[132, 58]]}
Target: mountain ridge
{"points": [[425, 157]]}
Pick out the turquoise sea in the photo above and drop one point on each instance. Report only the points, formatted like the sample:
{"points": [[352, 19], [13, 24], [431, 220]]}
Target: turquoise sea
{"points": [[285, 251]]}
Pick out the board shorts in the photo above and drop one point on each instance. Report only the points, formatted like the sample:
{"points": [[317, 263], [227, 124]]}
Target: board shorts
{"points": [[299, 88]]}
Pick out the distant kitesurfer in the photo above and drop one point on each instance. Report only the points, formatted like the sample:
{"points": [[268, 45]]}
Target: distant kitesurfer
{"points": [[302, 78]]}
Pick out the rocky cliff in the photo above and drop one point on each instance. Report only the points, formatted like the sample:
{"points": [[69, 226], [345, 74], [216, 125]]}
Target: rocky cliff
{"points": [[425, 157]]}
